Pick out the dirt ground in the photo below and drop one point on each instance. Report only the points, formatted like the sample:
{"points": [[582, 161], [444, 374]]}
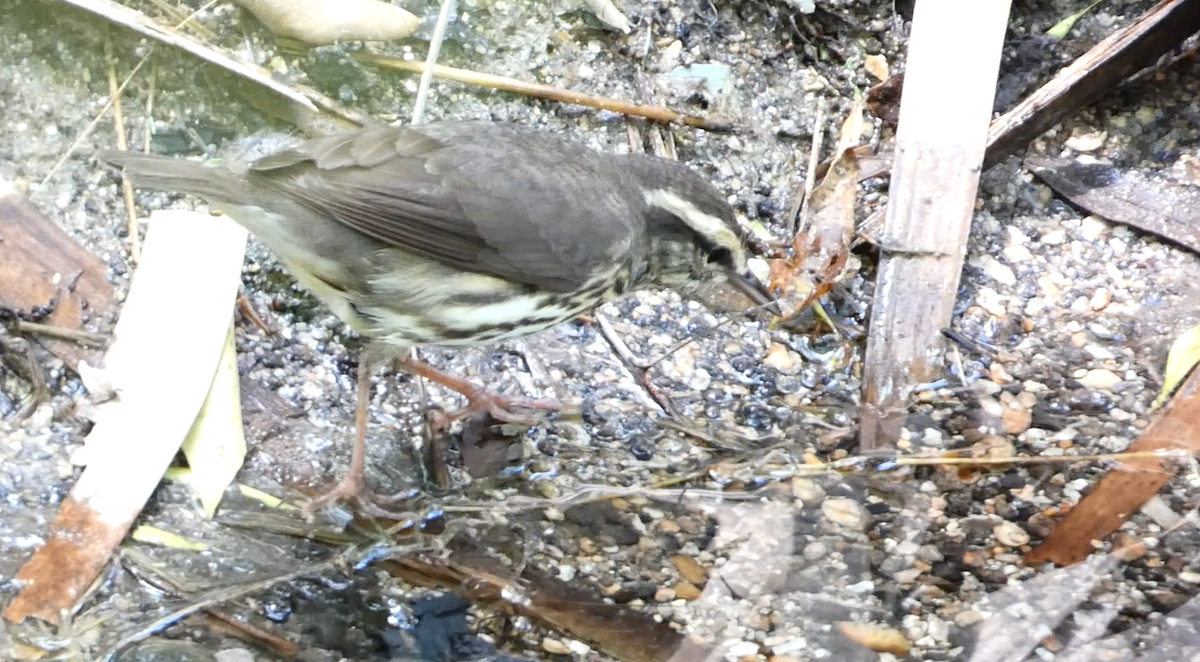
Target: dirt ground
{"points": [[1080, 313]]}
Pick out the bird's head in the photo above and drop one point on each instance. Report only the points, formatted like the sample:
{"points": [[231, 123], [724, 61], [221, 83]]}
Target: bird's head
{"points": [[693, 237]]}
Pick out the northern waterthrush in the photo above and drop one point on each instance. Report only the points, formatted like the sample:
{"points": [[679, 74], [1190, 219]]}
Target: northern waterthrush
{"points": [[462, 233]]}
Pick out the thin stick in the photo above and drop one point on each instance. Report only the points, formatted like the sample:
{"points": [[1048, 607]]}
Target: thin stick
{"points": [[435, 47], [640, 375], [62, 333], [814, 161], [135, 243], [505, 84], [150, 105]]}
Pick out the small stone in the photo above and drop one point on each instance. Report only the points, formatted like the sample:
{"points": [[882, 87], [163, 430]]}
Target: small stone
{"points": [[578, 647], [782, 359], [1190, 577], [1100, 299], [1086, 142], [689, 569], [1016, 254], [1092, 228], [741, 649], [1099, 353], [815, 551], [1054, 238], [1011, 534], [555, 647], [846, 512], [1016, 421], [1103, 380], [996, 270], [234, 655], [967, 618], [807, 490], [687, 591], [664, 594]]}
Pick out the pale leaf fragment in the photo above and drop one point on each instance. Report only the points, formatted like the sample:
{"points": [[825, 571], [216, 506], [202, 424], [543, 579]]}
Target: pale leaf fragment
{"points": [[216, 444]]}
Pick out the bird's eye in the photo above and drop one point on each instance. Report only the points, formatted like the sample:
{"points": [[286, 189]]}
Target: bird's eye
{"points": [[721, 256]]}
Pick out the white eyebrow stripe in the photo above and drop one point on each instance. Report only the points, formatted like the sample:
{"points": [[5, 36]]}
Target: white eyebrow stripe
{"points": [[706, 225]]}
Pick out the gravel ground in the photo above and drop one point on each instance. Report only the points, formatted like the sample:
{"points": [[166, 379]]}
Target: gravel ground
{"points": [[1081, 314]]}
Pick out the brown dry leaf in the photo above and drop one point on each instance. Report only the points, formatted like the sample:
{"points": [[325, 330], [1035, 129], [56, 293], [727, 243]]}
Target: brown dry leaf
{"points": [[821, 247], [875, 637], [1120, 493], [329, 21], [160, 365], [42, 267]]}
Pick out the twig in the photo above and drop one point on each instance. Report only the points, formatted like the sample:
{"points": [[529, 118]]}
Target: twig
{"points": [[62, 333], [503, 83], [150, 104], [814, 160], [634, 366], [435, 47], [87, 130], [247, 309], [135, 243]]}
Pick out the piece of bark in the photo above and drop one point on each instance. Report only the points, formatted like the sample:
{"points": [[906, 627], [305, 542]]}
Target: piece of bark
{"points": [[1095, 74], [1122, 491], [1148, 202], [939, 150], [42, 266]]}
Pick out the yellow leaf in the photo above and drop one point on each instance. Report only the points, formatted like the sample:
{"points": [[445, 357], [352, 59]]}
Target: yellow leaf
{"points": [[155, 536], [216, 445], [1184, 355]]}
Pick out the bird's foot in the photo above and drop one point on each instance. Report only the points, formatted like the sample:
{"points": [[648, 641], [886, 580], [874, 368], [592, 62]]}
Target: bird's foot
{"points": [[505, 408], [352, 491]]}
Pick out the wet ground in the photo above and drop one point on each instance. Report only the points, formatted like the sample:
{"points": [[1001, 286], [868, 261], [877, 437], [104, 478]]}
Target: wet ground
{"points": [[1082, 313]]}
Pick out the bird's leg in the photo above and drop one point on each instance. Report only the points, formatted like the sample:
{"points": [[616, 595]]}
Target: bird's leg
{"points": [[501, 407], [352, 487]]}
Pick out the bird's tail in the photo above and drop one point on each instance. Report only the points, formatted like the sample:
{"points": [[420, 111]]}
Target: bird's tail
{"points": [[215, 184]]}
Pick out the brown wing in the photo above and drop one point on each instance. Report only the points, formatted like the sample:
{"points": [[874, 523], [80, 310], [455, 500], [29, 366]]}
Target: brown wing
{"points": [[494, 199]]}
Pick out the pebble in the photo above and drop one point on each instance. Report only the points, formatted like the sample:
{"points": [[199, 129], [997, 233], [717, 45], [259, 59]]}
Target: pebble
{"points": [[1092, 228], [846, 512], [689, 569], [687, 591], [664, 594], [1054, 238], [967, 618], [996, 270], [1100, 379], [1100, 299], [578, 647], [782, 359], [807, 490], [1011, 534], [555, 647], [1016, 254], [741, 649], [1016, 421], [815, 551], [1086, 142], [1099, 353], [234, 655]]}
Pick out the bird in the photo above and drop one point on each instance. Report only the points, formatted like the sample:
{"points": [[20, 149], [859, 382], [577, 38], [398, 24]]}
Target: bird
{"points": [[461, 233]]}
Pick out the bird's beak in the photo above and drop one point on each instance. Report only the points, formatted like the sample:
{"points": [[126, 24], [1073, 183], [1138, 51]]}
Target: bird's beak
{"points": [[750, 286]]}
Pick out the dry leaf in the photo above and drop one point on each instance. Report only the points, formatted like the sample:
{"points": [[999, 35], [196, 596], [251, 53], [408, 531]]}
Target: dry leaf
{"points": [[329, 21], [216, 444]]}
